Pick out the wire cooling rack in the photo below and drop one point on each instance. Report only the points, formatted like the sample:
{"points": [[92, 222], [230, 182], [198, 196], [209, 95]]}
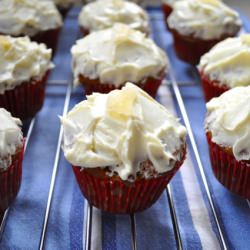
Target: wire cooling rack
{"points": [[61, 89]]}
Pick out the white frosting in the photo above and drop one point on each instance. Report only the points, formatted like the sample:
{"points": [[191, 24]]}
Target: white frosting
{"points": [[228, 62], [121, 130], [62, 3], [204, 19], [170, 2], [117, 55], [28, 17], [104, 14], [11, 137], [21, 60], [228, 120]]}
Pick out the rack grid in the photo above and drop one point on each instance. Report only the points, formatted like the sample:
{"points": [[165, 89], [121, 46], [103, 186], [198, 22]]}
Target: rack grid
{"points": [[175, 87]]}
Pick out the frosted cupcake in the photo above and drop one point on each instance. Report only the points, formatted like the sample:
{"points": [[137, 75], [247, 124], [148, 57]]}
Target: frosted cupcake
{"points": [[24, 67], [124, 148], [40, 20], [228, 134], [197, 25], [103, 14], [11, 156], [107, 59], [225, 66]]}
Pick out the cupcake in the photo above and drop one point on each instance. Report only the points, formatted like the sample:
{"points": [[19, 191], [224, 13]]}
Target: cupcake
{"points": [[40, 20], [124, 148], [103, 14], [228, 135], [63, 6], [24, 67], [107, 59], [197, 25], [225, 66], [11, 156]]}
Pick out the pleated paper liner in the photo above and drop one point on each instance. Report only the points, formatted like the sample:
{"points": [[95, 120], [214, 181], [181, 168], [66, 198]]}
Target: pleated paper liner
{"points": [[211, 88], [48, 37], [10, 181], [25, 100], [150, 85], [114, 195], [167, 9], [233, 174], [190, 49]]}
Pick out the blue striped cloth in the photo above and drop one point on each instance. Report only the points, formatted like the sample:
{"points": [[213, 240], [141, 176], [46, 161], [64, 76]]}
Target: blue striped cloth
{"points": [[154, 229]]}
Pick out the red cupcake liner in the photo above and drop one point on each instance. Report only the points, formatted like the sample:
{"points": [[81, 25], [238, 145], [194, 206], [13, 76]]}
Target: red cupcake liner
{"points": [[114, 195], [167, 10], [10, 181], [150, 85], [233, 174], [191, 49], [25, 100], [211, 88], [48, 37], [84, 31]]}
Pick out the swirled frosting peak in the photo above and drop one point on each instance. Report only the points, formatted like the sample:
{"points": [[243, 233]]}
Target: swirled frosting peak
{"points": [[228, 120], [121, 130], [204, 19], [21, 60], [10, 137], [117, 55], [228, 62], [28, 17], [103, 14]]}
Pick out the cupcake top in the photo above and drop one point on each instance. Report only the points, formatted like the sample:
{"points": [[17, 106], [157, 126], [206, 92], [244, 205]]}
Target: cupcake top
{"points": [[121, 130], [103, 14], [28, 17], [117, 55], [228, 62], [11, 137], [228, 120], [204, 19], [21, 60]]}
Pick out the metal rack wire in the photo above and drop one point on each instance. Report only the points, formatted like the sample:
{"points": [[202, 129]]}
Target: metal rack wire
{"points": [[132, 218]]}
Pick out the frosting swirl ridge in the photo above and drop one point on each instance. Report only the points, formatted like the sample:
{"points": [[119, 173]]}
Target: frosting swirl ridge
{"points": [[11, 137], [228, 62]]}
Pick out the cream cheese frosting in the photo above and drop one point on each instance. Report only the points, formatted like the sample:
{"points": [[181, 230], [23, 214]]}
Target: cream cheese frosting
{"points": [[169, 2], [103, 14], [21, 60], [28, 17], [228, 62], [11, 137], [121, 130], [228, 120], [117, 55], [204, 19]]}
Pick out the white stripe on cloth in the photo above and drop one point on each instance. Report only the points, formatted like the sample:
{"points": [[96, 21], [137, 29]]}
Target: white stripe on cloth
{"points": [[198, 209], [96, 232]]}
